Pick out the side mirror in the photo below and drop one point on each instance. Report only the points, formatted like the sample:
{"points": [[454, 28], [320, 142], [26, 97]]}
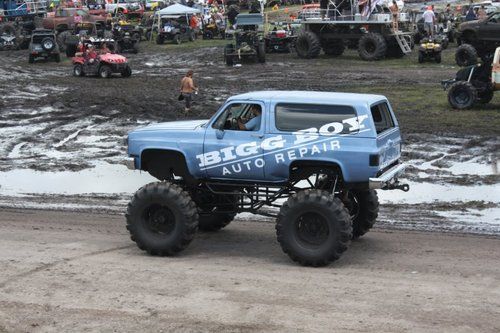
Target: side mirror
{"points": [[219, 133]]}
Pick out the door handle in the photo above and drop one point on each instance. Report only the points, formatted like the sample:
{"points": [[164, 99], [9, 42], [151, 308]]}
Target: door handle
{"points": [[259, 136]]}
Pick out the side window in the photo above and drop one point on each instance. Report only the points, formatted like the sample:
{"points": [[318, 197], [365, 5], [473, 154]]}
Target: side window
{"points": [[382, 117], [296, 117], [237, 113]]}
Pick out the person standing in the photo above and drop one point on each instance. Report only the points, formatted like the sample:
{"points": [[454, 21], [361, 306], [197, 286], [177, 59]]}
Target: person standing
{"points": [[429, 19], [481, 13], [187, 90], [395, 15], [471, 15]]}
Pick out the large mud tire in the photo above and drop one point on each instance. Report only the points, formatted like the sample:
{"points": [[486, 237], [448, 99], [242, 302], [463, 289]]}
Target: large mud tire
{"points": [[105, 71], [313, 228], [335, 48], [462, 95], [78, 70], [215, 221], [127, 72], [372, 46], [228, 54], [9, 29], [62, 39], [307, 45], [159, 39], [261, 52], [71, 50], [48, 44], [177, 39], [162, 219], [364, 211], [437, 58], [466, 55], [421, 57]]}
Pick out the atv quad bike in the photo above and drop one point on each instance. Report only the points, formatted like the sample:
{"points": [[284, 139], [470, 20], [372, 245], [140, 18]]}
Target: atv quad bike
{"points": [[127, 37], [429, 49], [474, 84], [174, 28], [104, 66]]}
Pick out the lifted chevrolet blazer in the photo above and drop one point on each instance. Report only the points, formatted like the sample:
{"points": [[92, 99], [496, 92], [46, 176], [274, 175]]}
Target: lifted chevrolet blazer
{"points": [[317, 156]]}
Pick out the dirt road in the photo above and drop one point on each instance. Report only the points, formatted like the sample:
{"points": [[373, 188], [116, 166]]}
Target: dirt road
{"points": [[68, 271]]}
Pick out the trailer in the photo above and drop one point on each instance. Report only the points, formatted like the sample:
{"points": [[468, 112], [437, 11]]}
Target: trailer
{"points": [[342, 24], [12, 9]]}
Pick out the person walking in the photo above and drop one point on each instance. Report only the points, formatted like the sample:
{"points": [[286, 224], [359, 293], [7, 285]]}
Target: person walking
{"points": [[187, 90]]}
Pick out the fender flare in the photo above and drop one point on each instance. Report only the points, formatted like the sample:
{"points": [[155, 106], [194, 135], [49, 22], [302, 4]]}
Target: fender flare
{"points": [[177, 162]]}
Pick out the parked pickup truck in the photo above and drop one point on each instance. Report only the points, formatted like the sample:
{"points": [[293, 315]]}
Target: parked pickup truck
{"points": [[65, 19], [326, 153], [125, 8], [478, 38]]}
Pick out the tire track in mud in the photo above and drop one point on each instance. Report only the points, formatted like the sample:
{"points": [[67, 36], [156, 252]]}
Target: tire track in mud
{"points": [[43, 267]]}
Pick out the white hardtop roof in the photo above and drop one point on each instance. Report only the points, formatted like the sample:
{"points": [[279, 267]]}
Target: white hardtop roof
{"points": [[177, 9], [311, 97]]}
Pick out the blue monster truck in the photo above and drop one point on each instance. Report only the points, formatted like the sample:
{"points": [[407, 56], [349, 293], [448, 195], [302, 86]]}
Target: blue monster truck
{"points": [[325, 153]]}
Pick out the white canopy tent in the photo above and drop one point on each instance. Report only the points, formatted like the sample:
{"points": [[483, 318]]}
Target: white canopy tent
{"points": [[177, 9], [174, 11]]}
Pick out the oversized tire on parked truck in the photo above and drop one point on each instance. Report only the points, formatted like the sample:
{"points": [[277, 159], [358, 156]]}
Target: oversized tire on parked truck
{"points": [[308, 45], [374, 41], [372, 46]]}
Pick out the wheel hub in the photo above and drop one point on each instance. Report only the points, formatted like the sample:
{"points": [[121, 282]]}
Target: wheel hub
{"points": [[312, 228], [160, 219], [462, 97]]}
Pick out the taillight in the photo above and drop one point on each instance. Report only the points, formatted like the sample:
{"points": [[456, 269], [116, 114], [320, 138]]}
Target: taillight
{"points": [[374, 160]]}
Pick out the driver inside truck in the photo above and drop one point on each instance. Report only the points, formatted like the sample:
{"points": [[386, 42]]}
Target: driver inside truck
{"points": [[254, 123]]}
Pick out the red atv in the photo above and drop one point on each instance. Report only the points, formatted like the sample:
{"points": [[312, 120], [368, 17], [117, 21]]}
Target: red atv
{"points": [[103, 65]]}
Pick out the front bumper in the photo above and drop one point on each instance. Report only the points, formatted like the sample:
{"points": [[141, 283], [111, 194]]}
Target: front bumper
{"points": [[389, 179], [130, 163]]}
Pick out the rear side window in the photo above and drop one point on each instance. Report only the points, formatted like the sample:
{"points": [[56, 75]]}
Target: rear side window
{"points": [[296, 117], [382, 117]]}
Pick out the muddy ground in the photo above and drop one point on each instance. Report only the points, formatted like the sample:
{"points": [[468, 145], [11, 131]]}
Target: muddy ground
{"points": [[79, 272]]}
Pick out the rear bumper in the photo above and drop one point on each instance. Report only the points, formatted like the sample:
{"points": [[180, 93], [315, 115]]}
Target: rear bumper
{"points": [[389, 179]]}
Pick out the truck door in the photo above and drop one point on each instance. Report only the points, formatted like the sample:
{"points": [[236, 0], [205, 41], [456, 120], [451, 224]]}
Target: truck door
{"points": [[388, 136], [491, 27], [232, 151]]}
